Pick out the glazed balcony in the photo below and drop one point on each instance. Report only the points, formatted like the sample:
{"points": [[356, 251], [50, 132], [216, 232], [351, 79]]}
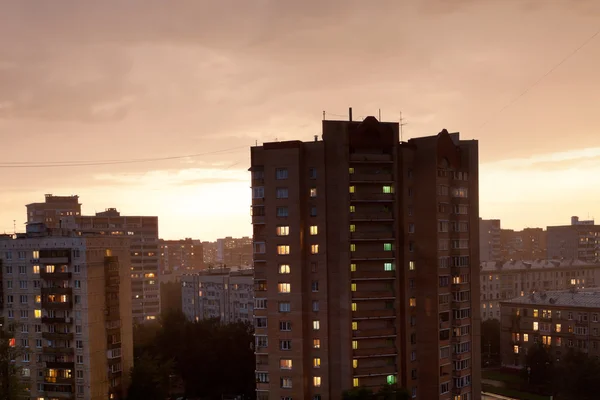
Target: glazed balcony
{"points": [[58, 350], [373, 235], [372, 255], [372, 216], [372, 197], [57, 291], [57, 336], [374, 295], [58, 276], [60, 365], [373, 274], [375, 351], [371, 177], [374, 333], [372, 371], [56, 305], [371, 158], [374, 314], [59, 380], [56, 320]]}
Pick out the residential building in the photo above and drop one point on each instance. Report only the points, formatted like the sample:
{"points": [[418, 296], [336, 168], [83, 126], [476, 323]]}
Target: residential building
{"points": [[209, 253], [180, 255], [527, 244], [560, 320], [55, 211], [579, 240], [234, 251], [223, 293], [366, 255], [68, 295], [489, 240], [502, 281]]}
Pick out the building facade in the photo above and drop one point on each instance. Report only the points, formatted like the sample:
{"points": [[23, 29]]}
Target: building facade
{"points": [[527, 244], [502, 281], [366, 263], [68, 297], [560, 320], [579, 240], [55, 211], [181, 255], [234, 251], [489, 240], [226, 294]]}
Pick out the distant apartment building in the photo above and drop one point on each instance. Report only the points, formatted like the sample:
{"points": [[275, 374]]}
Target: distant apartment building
{"points": [[366, 254], [234, 251], [68, 296], [180, 255], [579, 240], [560, 320], [489, 240], [502, 281], [143, 232], [209, 253], [527, 244], [223, 293]]}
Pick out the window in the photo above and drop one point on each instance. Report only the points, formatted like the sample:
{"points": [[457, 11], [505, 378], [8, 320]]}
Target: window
{"points": [[260, 304], [316, 381], [79, 344], [285, 326], [535, 325], [558, 327], [284, 288], [316, 362], [314, 230], [283, 230], [388, 266], [355, 344], [285, 344], [315, 305], [352, 267], [284, 306], [36, 269], [282, 211], [444, 387], [258, 192], [355, 382], [411, 228], [283, 249], [353, 287], [79, 359], [388, 189], [460, 192], [312, 173], [260, 248], [37, 313], [281, 173], [313, 192], [77, 284], [313, 211], [77, 269], [316, 343], [315, 286], [352, 247], [282, 193], [388, 247], [354, 307], [411, 265], [314, 249], [24, 314], [351, 189], [22, 284], [285, 383], [525, 337], [284, 268], [23, 299], [316, 325], [285, 363]]}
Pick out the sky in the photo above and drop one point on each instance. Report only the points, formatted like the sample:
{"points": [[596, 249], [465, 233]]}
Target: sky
{"points": [[114, 80]]}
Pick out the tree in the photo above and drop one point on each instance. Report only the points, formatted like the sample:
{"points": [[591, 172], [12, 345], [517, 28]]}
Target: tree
{"points": [[576, 376], [388, 392], [490, 341], [361, 393], [149, 379], [11, 387], [539, 370]]}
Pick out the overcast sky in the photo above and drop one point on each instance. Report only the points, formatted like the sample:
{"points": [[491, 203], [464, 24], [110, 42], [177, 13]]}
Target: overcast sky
{"points": [[115, 80]]}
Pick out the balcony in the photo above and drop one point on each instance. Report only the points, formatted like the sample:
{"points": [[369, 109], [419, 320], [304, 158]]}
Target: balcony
{"points": [[374, 314], [368, 178], [59, 380], [461, 322], [461, 356], [372, 235], [372, 255], [57, 276], [60, 365], [378, 295], [57, 291], [375, 352], [57, 305], [58, 350], [373, 275], [371, 158], [461, 373], [372, 197], [374, 333], [56, 320], [371, 216], [258, 219], [374, 371], [57, 336], [54, 260], [51, 392]]}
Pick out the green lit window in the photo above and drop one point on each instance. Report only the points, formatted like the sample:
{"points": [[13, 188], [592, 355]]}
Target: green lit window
{"points": [[387, 247], [352, 267], [388, 266], [350, 170], [353, 247], [388, 189], [352, 228], [351, 189], [391, 379]]}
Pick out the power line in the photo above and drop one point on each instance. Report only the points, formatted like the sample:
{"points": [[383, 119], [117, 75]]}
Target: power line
{"points": [[550, 71], [50, 164]]}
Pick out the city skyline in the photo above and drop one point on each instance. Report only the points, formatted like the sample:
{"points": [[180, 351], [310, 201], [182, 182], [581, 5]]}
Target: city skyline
{"points": [[189, 85]]}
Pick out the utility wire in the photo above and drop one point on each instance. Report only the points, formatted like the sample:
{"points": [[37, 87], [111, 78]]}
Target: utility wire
{"points": [[50, 164], [550, 71]]}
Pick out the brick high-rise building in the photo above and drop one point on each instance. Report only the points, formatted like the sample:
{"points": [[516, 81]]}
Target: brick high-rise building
{"points": [[579, 240], [366, 262], [181, 255], [68, 296], [490, 248], [55, 211]]}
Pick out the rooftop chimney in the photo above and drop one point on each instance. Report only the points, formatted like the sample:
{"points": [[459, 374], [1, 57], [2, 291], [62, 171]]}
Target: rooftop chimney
{"points": [[350, 114]]}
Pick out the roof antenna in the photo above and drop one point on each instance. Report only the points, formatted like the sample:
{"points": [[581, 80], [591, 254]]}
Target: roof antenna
{"points": [[402, 123], [350, 114], [323, 115], [380, 115]]}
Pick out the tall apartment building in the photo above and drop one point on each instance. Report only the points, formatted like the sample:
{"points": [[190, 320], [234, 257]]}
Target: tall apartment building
{"points": [[68, 297], [579, 240], [366, 262], [527, 244], [65, 211], [180, 255], [209, 253], [234, 251], [489, 240], [55, 211], [502, 281], [561, 320], [224, 293]]}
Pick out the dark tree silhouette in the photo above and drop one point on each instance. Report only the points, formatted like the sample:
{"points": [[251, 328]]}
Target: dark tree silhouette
{"points": [[149, 379], [539, 367], [490, 341], [11, 386]]}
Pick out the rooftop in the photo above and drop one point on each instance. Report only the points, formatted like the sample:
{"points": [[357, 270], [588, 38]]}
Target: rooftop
{"points": [[512, 265], [586, 298]]}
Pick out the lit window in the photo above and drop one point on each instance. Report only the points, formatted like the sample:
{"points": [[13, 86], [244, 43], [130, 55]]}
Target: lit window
{"points": [[352, 209], [516, 349], [535, 313], [285, 363], [351, 189], [355, 382], [355, 344], [412, 302], [388, 266], [283, 250], [316, 325], [317, 381], [284, 288], [314, 249], [525, 337], [387, 247], [411, 265], [38, 298], [37, 313], [314, 230], [283, 230], [352, 228], [535, 325], [36, 254], [388, 189], [50, 269], [558, 327], [354, 325], [355, 363], [350, 170], [352, 247], [354, 307], [313, 192], [316, 343], [353, 287], [284, 269], [353, 267], [36, 269], [316, 362], [391, 379]]}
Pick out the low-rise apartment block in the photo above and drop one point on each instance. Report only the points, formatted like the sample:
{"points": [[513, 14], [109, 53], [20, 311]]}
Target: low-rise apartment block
{"points": [[580, 240], [506, 280], [224, 293], [67, 295], [560, 320]]}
